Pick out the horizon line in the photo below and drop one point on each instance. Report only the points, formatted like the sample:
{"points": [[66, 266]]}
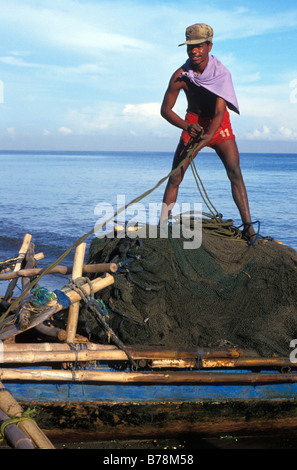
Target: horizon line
{"points": [[2, 151]]}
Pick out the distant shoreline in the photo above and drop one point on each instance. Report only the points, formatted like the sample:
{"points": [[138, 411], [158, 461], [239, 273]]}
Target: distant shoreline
{"points": [[127, 152]]}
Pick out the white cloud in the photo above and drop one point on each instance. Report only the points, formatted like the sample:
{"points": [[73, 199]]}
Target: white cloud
{"points": [[288, 133], [259, 134], [135, 120], [144, 109], [65, 130], [264, 100], [248, 78], [11, 132], [116, 60], [249, 22], [81, 69], [96, 27], [16, 62], [278, 134], [70, 24], [91, 120]]}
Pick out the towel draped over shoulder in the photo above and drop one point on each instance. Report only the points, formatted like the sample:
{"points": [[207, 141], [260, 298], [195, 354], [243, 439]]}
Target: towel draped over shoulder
{"points": [[215, 78]]}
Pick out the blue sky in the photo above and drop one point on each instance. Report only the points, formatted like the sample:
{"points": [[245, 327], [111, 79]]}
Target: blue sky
{"points": [[91, 75]]}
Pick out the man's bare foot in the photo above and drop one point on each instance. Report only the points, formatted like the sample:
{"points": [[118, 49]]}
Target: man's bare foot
{"points": [[253, 238], [248, 232]]}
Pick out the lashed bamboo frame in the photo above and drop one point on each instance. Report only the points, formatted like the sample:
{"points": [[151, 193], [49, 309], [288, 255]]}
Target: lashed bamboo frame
{"points": [[171, 358], [200, 373], [185, 377], [193, 366]]}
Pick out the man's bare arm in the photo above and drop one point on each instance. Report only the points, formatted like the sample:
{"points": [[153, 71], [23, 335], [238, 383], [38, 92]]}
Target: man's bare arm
{"points": [[169, 101]]}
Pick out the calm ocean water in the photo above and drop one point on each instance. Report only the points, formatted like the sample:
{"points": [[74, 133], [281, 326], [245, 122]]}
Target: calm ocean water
{"points": [[54, 195]]}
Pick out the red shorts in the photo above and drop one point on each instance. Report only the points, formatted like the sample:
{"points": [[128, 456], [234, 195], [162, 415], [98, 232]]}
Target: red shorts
{"points": [[223, 133]]}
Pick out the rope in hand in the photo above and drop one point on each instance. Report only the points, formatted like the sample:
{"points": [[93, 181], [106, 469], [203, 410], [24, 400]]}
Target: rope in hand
{"points": [[212, 222], [188, 150]]}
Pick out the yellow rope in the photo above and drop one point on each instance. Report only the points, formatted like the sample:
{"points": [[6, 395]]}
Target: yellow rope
{"points": [[16, 421], [205, 197], [15, 303], [214, 224], [190, 149]]}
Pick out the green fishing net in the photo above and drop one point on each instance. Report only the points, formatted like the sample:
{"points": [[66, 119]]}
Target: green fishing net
{"points": [[222, 293]]}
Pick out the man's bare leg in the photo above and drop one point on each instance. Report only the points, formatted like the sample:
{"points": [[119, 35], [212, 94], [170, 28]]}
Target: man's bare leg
{"points": [[171, 191], [228, 153]]}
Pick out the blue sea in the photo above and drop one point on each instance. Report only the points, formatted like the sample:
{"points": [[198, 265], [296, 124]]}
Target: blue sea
{"points": [[60, 196]]}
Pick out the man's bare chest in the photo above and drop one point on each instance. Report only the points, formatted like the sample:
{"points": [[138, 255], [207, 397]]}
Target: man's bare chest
{"points": [[200, 100]]}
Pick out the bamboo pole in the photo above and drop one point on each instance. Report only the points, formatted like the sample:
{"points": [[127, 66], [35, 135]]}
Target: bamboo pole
{"points": [[137, 352], [23, 318], [12, 408], [217, 363], [52, 347], [202, 378], [87, 269], [98, 284], [14, 435], [51, 332], [9, 328], [37, 257], [30, 262], [21, 256], [74, 309], [110, 355]]}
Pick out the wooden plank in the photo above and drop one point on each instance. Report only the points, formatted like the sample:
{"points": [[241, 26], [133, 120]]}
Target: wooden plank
{"points": [[202, 378], [105, 354], [30, 263], [21, 256], [15, 436], [9, 327], [87, 269], [11, 407], [37, 257], [139, 352], [74, 309], [165, 419]]}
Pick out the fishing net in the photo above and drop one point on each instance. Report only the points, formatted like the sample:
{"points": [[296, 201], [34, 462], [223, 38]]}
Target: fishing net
{"points": [[222, 293]]}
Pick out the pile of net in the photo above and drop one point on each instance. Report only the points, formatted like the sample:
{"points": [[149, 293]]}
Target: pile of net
{"points": [[224, 292]]}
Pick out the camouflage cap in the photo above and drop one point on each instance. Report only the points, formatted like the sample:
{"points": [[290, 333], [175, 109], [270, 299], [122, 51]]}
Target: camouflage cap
{"points": [[198, 33]]}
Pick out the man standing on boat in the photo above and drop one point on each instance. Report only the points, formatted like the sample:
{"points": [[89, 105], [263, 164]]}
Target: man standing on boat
{"points": [[209, 90]]}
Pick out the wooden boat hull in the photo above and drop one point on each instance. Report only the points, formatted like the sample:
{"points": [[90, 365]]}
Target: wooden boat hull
{"points": [[87, 412], [210, 395], [64, 421]]}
